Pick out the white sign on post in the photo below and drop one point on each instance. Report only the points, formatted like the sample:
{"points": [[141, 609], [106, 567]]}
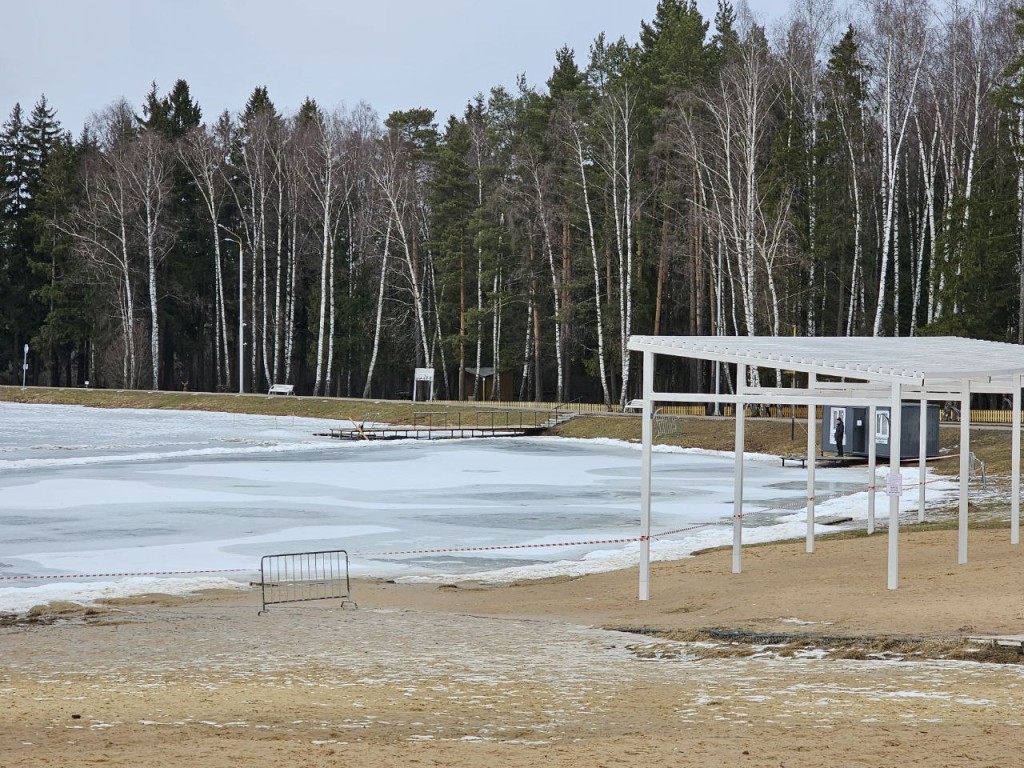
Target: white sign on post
{"points": [[894, 485], [423, 374]]}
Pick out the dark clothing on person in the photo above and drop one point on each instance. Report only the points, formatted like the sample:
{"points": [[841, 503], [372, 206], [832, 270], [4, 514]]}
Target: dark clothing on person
{"points": [[840, 431]]}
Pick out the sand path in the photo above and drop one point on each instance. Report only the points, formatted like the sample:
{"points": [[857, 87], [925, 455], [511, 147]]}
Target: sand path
{"points": [[523, 675]]}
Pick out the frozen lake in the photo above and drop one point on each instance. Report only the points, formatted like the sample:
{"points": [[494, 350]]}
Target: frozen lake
{"points": [[200, 497]]}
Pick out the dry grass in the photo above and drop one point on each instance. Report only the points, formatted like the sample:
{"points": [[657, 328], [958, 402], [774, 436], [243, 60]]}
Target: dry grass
{"points": [[354, 409]]}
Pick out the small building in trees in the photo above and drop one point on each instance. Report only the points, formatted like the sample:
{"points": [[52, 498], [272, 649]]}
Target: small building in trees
{"points": [[505, 389]]}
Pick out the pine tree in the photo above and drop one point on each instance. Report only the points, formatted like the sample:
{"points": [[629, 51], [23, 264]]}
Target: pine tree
{"points": [[65, 333], [842, 204], [452, 204], [25, 149], [45, 140]]}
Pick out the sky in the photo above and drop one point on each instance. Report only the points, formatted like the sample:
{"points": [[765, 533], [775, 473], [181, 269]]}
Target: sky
{"points": [[393, 54]]}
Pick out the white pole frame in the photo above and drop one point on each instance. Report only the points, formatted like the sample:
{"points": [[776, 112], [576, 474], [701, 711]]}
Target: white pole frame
{"points": [[812, 449], [647, 435], [895, 449], [965, 469], [737, 499], [1018, 382], [872, 465], [922, 457], [853, 396]]}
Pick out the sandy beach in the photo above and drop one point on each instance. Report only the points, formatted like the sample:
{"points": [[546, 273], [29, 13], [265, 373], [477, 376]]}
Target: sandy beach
{"points": [[538, 673]]}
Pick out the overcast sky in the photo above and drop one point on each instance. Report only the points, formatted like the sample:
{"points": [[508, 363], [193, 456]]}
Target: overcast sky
{"points": [[394, 54]]}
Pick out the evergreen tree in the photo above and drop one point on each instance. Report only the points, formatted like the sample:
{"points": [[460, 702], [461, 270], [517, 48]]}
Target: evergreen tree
{"points": [[673, 61], [186, 304], [64, 335], [452, 199], [258, 102], [726, 36], [843, 195], [1009, 97], [13, 239], [25, 150], [309, 114], [14, 166], [672, 53]]}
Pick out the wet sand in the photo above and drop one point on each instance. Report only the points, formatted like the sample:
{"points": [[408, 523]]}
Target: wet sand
{"points": [[537, 673]]}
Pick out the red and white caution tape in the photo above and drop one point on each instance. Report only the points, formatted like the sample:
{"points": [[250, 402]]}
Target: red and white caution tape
{"points": [[448, 550], [492, 547]]}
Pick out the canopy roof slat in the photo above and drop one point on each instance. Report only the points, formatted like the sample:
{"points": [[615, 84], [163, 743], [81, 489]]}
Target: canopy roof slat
{"points": [[913, 360]]}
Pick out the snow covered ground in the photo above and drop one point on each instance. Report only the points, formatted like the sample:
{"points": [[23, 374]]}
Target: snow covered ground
{"points": [[198, 498]]}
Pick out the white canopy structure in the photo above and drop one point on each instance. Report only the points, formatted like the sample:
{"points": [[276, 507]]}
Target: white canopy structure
{"points": [[850, 371]]}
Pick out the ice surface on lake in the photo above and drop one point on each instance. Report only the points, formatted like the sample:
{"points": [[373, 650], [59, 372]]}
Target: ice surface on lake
{"points": [[88, 491]]}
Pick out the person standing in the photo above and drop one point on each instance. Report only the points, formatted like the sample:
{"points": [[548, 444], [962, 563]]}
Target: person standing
{"points": [[840, 431]]}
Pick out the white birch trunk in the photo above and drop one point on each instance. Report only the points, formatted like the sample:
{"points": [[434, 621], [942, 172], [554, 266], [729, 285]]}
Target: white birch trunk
{"points": [[555, 283], [599, 316], [379, 313], [901, 51]]}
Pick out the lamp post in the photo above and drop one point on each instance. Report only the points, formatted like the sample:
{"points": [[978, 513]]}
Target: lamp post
{"points": [[241, 309], [24, 367]]}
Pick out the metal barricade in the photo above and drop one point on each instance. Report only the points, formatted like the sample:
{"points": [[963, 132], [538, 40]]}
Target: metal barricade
{"points": [[300, 576], [667, 424]]}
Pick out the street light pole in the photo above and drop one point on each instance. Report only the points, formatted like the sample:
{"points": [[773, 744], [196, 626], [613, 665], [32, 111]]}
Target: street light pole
{"points": [[24, 367], [241, 309], [241, 321]]}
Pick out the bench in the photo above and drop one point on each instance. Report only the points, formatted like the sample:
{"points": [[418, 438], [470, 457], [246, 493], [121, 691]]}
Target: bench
{"points": [[801, 459], [281, 389]]}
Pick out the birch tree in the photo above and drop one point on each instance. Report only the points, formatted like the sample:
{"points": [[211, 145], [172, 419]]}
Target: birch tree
{"points": [[724, 136], [259, 194], [965, 75], [203, 152], [1011, 99], [102, 225], [394, 176], [321, 161], [581, 153], [148, 173], [897, 39], [617, 115]]}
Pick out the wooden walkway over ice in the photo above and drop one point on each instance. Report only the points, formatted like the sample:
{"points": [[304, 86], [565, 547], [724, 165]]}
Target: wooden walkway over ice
{"points": [[441, 425]]}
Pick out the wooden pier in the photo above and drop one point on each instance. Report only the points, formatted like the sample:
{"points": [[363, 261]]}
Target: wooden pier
{"points": [[441, 425]]}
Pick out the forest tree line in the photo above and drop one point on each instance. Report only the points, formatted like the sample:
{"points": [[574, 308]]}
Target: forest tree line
{"points": [[714, 178]]}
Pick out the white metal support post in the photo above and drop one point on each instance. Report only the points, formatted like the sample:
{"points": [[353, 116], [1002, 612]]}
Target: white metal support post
{"points": [[872, 461], [737, 499], [24, 367], [922, 455], [812, 449], [1015, 464], [965, 468], [895, 483], [647, 434]]}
